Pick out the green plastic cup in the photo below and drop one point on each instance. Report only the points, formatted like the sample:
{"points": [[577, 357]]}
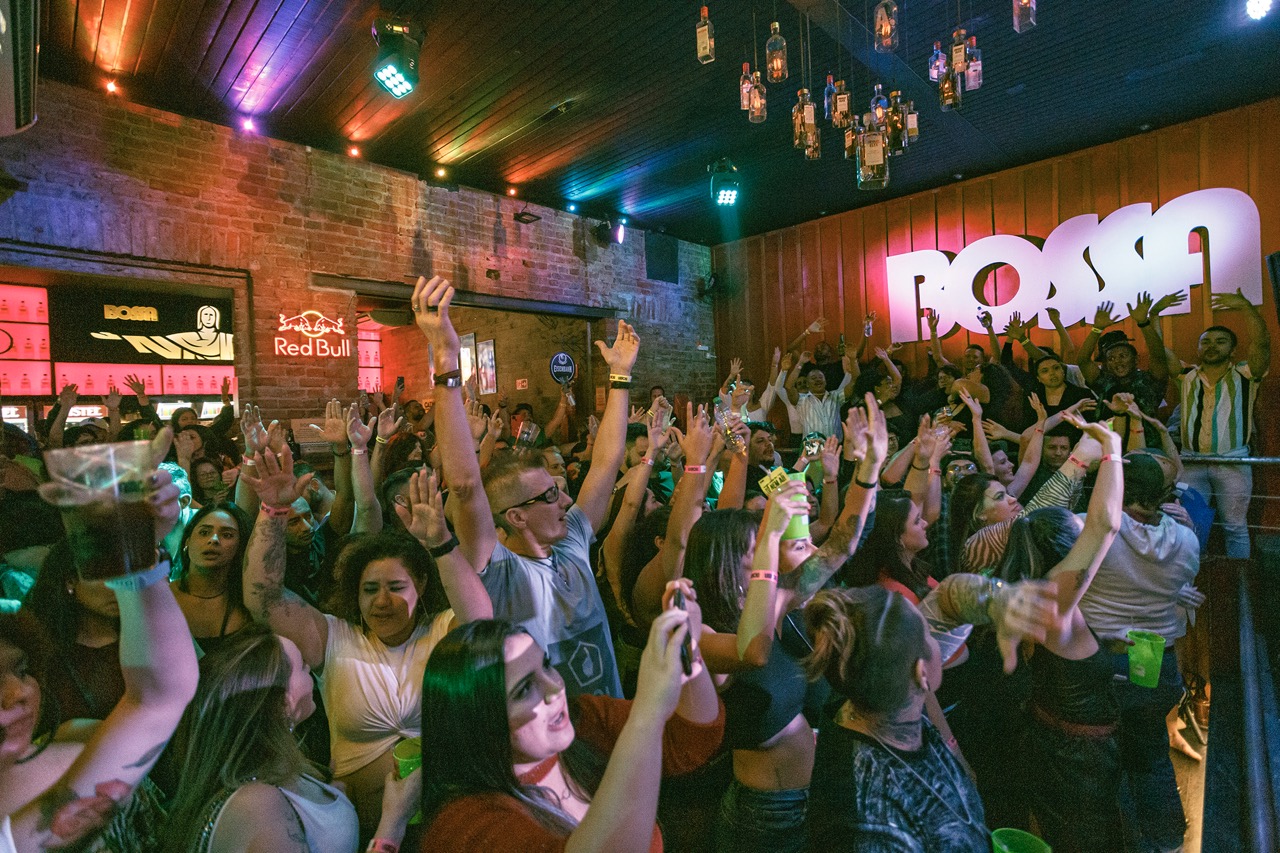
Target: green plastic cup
{"points": [[798, 527], [408, 756], [1017, 841], [1145, 656]]}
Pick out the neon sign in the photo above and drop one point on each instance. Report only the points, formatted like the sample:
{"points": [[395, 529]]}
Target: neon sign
{"points": [[1083, 262], [313, 326]]}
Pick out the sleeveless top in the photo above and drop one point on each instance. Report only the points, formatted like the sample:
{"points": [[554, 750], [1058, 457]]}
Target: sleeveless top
{"points": [[1074, 691], [759, 703], [330, 827]]}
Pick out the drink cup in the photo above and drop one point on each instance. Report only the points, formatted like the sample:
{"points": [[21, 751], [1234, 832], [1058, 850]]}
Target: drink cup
{"points": [[798, 527], [528, 434], [1145, 657], [1017, 841], [408, 756], [101, 491]]}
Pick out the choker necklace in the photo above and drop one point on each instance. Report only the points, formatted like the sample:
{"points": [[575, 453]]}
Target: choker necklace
{"points": [[966, 818], [539, 771]]}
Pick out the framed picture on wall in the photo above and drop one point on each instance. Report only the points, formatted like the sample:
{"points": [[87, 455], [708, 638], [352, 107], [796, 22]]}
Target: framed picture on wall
{"points": [[467, 358], [487, 367]]}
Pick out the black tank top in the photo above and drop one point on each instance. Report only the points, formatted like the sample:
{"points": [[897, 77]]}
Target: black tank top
{"points": [[759, 703], [1074, 691]]}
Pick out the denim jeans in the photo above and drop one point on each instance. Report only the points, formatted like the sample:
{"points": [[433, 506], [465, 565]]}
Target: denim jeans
{"points": [[1073, 783], [754, 821], [1230, 486], [1151, 802]]}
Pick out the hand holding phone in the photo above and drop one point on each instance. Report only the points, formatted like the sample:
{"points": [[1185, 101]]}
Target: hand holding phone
{"points": [[686, 645]]}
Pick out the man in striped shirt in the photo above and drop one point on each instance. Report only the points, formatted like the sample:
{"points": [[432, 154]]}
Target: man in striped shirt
{"points": [[1217, 397]]}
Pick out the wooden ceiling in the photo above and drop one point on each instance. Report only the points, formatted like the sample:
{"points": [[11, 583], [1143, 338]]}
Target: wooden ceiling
{"points": [[604, 104]]}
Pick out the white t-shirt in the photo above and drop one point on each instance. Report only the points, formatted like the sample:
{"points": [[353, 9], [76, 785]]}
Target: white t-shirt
{"points": [[373, 693], [557, 601], [6, 837]]}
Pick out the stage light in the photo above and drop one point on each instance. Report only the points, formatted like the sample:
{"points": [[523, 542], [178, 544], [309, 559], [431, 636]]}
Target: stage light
{"points": [[725, 186], [511, 191], [572, 208], [441, 173], [399, 47], [1258, 9], [247, 125], [112, 88], [611, 231], [353, 151], [525, 217]]}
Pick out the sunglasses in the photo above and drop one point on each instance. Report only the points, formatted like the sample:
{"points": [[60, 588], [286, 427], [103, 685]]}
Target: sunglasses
{"points": [[550, 496]]}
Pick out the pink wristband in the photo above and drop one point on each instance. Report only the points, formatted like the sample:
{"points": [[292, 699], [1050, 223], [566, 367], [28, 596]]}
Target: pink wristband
{"points": [[646, 460], [275, 511], [771, 577], [1082, 466], [382, 845], [695, 469], [1110, 458], [359, 451]]}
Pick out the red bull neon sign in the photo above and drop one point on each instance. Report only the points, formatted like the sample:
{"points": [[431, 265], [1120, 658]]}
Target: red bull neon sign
{"points": [[313, 326]]}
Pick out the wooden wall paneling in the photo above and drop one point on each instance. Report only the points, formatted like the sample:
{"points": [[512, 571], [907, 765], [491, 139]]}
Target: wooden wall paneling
{"points": [[732, 316], [924, 236], [976, 198], [1264, 178], [852, 274], [789, 279], [949, 210], [1008, 216], [758, 325], [875, 243], [775, 287], [1178, 168], [811, 282], [829, 266], [897, 242], [1075, 187]]}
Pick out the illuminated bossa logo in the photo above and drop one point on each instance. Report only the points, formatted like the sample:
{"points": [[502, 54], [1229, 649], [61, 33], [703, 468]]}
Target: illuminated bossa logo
{"points": [[1083, 262], [314, 326]]}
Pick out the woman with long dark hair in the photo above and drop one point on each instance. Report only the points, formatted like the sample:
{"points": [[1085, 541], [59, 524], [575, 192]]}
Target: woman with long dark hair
{"points": [[509, 763], [208, 586]]}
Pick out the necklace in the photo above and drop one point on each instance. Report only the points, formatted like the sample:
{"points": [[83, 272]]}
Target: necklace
{"points": [[966, 818], [205, 597]]}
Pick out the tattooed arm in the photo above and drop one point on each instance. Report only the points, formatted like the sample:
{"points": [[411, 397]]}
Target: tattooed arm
{"points": [[264, 593], [1025, 610]]}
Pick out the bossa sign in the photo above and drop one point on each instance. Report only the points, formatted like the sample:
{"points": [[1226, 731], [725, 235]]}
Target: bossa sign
{"points": [[1083, 262]]}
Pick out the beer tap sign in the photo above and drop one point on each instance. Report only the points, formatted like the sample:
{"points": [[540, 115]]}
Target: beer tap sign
{"points": [[1085, 261], [563, 369]]}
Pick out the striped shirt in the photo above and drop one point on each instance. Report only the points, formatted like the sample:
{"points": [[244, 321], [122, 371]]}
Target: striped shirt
{"points": [[984, 550], [1218, 417]]}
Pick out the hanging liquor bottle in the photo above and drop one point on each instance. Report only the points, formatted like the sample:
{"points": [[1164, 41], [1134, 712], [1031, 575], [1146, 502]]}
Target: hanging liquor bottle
{"points": [[972, 65], [744, 87], [706, 33], [949, 91], [758, 111], [775, 55], [1024, 15], [828, 96], [911, 120], [937, 63], [879, 106], [841, 116], [885, 28], [851, 134], [895, 126], [803, 119], [873, 166], [813, 143], [958, 48]]}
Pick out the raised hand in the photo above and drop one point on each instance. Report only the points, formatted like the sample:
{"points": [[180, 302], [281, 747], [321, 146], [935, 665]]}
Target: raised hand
{"points": [[1042, 414], [739, 428], [735, 367], [476, 419], [621, 357], [830, 456], [274, 481], [358, 432], [255, 434], [658, 435], [1026, 610], [389, 424], [697, 442], [430, 304], [855, 434], [226, 389], [973, 405], [1123, 404], [68, 395], [112, 398], [162, 498], [1168, 301], [1230, 301], [335, 423], [661, 674], [787, 362], [277, 437], [984, 319], [593, 427], [1141, 310], [817, 326], [878, 430], [496, 424], [1014, 328], [1055, 316], [777, 356], [926, 438], [1105, 315], [638, 415], [422, 511], [136, 385], [1079, 407], [882, 354], [785, 504], [185, 443], [932, 318], [869, 325]]}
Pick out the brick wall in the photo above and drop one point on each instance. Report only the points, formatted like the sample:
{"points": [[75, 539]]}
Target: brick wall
{"points": [[100, 175]]}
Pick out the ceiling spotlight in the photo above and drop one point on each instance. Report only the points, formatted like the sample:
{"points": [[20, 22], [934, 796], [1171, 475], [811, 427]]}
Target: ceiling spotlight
{"points": [[399, 46], [1257, 9], [611, 231], [247, 125], [440, 172], [525, 217], [112, 88], [725, 186], [353, 151], [511, 191], [572, 208]]}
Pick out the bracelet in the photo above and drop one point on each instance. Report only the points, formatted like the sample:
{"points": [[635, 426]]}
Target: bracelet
{"points": [[449, 374], [247, 461], [827, 482], [867, 486], [937, 471], [359, 451], [1110, 458], [646, 460], [142, 580], [380, 440], [1144, 325], [382, 845], [763, 575], [695, 469], [442, 549], [618, 383], [916, 467], [276, 511], [1039, 429], [620, 377], [1099, 329], [1072, 458]]}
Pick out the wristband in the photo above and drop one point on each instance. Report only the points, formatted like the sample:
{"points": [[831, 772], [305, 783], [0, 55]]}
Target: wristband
{"points": [[867, 486], [142, 580], [1072, 458], [937, 471], [444, 548], [1039, 429], [275, 511], [449, 374], [620, 377], [380, 440], [646, 460], [359, 451], [918, 468], [1110, 458], [827, 482], [247, 461], [763, 575], [617, 383], [695, 469], [1144, 325], [382, 845]]}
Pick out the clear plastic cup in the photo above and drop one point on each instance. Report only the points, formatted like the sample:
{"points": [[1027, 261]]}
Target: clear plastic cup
{"points": [[101, 491]]}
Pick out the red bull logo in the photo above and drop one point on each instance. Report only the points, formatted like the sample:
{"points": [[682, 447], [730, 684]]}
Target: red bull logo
{"points": [[313, 324]]}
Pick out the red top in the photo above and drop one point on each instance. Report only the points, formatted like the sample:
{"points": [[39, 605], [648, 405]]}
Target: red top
{"points": [[496, 823]]}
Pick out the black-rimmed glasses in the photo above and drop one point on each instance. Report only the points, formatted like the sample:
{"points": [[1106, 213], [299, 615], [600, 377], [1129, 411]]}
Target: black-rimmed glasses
{"points": [[550, 496]]}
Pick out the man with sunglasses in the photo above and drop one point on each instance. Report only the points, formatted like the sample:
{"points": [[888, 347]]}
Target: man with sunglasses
{"points": [[528, 539]]}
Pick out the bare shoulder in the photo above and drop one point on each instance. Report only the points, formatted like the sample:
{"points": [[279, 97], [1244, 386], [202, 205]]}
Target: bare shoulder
{"points": [[23, 783], [258, 817]]}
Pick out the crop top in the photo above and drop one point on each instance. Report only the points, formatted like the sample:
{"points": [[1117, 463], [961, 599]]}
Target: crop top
{"points": [[759, 703]]}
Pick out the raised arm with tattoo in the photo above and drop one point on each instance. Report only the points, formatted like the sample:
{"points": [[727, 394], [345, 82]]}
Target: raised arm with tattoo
{"points": [[424, 520]]}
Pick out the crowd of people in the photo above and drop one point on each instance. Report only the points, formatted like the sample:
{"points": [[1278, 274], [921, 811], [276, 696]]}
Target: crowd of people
{"points": [[655, 629]]}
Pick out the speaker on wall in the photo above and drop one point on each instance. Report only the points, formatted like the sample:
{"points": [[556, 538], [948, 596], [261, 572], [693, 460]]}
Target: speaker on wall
{"points": [[19, 56]]}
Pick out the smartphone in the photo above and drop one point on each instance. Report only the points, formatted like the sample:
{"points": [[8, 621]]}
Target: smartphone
{"points": [[813, 446], [686, 647]]}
